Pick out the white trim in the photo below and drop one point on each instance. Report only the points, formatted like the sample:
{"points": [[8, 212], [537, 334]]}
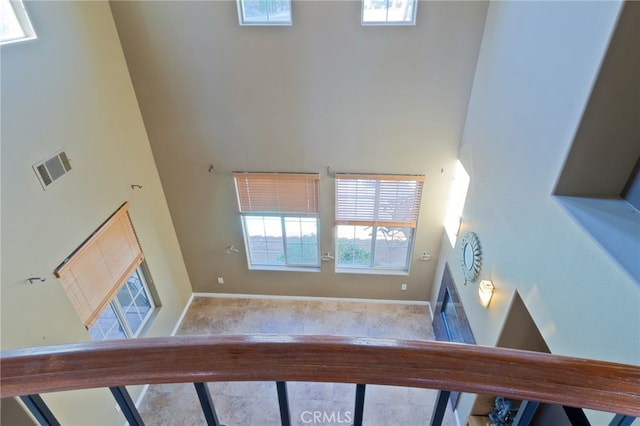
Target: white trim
{"points": [[310, 298], [20, 13], [284, 268], [456, 417], [243, 22], [173, 333], [182, 315], [370, 270], [386, 22], [141, 396], [430, 310]]}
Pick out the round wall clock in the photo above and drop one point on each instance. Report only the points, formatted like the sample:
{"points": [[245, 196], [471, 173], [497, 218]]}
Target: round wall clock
{"points": [[471, 256]]}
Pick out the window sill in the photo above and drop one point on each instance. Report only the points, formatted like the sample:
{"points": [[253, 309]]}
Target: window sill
{"points": [[369, 271], [148, 323], [282, 268]]}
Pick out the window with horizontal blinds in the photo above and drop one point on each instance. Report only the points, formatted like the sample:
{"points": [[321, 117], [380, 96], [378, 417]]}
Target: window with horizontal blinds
{"points": [[277, 192], [378, 200], [280, 215], [94, 273]]}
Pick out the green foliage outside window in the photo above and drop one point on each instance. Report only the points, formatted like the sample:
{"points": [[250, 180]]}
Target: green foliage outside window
{"points": [[351, 254]]}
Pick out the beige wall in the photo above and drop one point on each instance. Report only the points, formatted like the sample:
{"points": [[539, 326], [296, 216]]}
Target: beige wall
{"points": [[537, 64], [71, 89], [323, 92]]}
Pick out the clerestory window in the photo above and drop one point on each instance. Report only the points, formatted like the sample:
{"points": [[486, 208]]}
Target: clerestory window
{"points": [[264, 12], [280, 215], [389, 12], [376, 219], [14, 22]]}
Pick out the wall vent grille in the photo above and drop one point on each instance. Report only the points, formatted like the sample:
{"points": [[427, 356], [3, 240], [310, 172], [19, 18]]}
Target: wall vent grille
{"points": [[51, 169]]}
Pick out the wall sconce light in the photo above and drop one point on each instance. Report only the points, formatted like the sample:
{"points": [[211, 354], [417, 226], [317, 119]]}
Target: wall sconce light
{"points": [[485, 291], [232, 249]]}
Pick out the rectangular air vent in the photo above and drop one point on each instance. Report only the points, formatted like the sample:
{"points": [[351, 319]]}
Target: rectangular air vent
{"points": [[51, 169]]}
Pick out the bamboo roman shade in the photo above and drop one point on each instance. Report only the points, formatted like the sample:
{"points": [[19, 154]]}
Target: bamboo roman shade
{"points": [[277, 192], [378, 200], [96, 271]]}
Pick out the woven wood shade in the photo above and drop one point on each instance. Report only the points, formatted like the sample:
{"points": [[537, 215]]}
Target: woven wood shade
{"points": [[96, 271], [378, 200], [277, 192]]}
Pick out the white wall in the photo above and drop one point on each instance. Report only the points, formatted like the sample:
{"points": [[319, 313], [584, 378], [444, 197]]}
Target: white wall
{"points": [[71, 89], [537, 64]]}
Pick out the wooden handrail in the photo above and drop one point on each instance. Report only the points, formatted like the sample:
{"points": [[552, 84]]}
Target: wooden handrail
{"points": [[426, 364]]}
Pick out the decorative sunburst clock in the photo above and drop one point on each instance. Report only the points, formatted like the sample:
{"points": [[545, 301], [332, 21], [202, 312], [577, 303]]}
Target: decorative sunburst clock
{"points": [[471, 256]]}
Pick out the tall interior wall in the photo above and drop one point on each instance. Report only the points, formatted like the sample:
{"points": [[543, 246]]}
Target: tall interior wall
{"points": [[537, 65], [70, 89]]}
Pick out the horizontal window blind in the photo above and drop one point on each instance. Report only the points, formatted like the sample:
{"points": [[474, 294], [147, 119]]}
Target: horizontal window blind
{"points": [[378, 200], [277, 192], [96, 271]]}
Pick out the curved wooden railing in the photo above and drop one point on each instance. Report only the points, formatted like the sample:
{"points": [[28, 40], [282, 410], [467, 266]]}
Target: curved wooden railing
{"points": [[515, 374]]}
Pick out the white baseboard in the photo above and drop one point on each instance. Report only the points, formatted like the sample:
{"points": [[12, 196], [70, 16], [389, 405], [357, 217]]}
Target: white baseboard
{"points": [[455, 416], [182, 315], [310, 298]]}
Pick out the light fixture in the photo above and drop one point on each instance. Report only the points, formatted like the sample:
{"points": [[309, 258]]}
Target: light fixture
{"points": [[485, 291], [232, 249]]}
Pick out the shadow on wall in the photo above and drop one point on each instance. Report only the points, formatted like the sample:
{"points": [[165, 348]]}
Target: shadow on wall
{"points": [[599, 185]]}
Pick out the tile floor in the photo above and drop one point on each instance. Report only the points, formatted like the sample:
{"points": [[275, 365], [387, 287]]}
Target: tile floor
{"points": [[256, 403]]}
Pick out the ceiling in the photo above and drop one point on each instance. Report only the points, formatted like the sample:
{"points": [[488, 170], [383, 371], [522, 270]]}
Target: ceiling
{"points": [[323, 93]]}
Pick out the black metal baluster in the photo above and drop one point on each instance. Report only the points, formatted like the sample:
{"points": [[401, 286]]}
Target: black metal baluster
{"points": [[439, 409], [576, 416], [207, 404], [39, 409], [127, 406], [525, 413], [358, 412], [621, 420], [283, 401]]}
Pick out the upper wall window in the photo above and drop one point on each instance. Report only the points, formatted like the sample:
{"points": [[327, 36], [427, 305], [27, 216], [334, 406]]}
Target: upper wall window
{"points": [[264, 12], [14, 22], [389, 12], [280, 219], [376, 219]]}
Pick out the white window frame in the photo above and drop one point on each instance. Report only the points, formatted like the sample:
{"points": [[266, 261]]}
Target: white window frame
{"points": [[288, 263], [278, 196], [97, 332], [369, 4], [244, 21], [361, 206], [14, 11], [372, 268]]}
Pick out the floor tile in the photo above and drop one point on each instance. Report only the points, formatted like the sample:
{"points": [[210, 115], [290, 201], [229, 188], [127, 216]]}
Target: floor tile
{"points": [[256, 403]]}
